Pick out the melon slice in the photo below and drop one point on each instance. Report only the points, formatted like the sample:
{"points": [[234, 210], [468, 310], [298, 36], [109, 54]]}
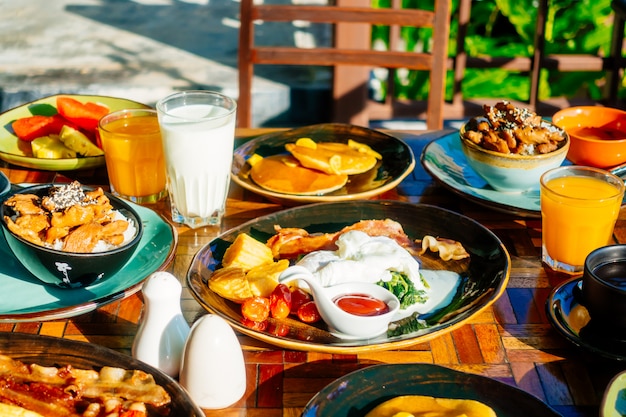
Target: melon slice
{"points": [[79, 142], [50, 147]]}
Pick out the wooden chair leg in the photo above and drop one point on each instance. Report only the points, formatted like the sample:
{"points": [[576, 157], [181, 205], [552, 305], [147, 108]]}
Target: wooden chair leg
{"points": [[538, 54], [460, 61], [615, 73], [351, 83]]}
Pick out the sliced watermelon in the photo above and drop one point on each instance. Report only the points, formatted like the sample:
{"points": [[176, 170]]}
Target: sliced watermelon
{"points": [[83, 115], [33, 127]]}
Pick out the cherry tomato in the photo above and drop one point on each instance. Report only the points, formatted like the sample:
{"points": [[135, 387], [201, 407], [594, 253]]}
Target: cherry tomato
{"points": [[255, 325], [280, 302], [308, 313], [298, 297], [256, 308]]}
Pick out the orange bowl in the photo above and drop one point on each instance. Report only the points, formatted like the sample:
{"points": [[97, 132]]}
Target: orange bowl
{"points": [[597, 135]]}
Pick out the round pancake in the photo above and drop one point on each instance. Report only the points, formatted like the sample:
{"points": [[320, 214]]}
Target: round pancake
{"points": [[284, 174], [333, 158]]}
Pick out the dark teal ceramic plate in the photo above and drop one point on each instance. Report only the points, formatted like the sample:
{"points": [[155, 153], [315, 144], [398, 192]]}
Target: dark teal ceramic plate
{"points": [[360, 391], [31, 300], [484, 276], [53, 351], [571, 319], [397, 161]]}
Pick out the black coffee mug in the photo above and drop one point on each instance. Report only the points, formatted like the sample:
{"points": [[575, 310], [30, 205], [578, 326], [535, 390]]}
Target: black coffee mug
{"points": [[604, 287]]}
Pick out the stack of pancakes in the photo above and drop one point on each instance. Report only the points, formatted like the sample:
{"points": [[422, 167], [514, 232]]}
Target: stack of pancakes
{"points": [[312, 168]]}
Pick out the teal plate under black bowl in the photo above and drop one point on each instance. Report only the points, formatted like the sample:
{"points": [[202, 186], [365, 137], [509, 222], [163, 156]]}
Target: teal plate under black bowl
{"points": [[357, 393], [54, 351], [484, 276], [26, 298]]}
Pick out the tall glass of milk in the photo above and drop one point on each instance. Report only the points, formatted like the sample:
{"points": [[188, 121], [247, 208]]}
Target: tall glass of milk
{"points": [[198, 131]]}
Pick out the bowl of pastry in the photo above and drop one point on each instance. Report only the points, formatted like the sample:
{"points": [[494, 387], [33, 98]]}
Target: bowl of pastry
{"points": [[68, 235], [511, 147]]}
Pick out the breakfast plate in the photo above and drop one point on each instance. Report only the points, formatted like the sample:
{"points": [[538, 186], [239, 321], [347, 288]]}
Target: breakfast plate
{"points": [[358, 392], [483, 277], [397, 162], [54, 351], [31, 300], [571, 319], [18, 152]]}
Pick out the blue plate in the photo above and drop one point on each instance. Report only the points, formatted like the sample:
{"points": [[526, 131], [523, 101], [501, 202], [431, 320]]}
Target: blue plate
{"points": [[444, 160], [31, 300]]}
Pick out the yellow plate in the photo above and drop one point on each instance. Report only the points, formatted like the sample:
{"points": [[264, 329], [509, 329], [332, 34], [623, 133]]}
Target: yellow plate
{"points": [[18, 152]]}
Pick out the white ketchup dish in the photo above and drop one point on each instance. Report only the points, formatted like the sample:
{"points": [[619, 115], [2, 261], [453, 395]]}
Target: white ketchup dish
{"points": [[341, 322]]}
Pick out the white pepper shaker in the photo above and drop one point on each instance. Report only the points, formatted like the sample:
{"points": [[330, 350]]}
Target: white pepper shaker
{"points": [[163, 331], [213, 370]]}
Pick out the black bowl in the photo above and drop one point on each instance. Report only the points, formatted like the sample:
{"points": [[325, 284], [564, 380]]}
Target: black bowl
{"points": [[70, 269]]}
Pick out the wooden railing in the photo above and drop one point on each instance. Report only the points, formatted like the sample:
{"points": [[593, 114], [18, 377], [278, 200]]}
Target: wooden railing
{"points": [[614, 63]]}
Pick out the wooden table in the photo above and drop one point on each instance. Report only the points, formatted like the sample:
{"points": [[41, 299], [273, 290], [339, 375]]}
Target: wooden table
{"points": [[512, 341]]}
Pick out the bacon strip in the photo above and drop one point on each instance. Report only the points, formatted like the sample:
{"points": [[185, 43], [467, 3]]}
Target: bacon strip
{"points": [[289, 243]]}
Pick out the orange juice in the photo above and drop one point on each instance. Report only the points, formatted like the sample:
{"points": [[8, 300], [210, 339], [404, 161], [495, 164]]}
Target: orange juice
{"points": [[134, 154], [578, 216]]}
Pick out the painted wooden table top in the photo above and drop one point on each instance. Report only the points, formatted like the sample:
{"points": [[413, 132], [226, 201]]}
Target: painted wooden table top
{"points": [[511, 341]]}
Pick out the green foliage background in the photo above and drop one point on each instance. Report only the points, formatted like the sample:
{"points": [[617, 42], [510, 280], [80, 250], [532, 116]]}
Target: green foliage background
{"points": [[507, 28]]}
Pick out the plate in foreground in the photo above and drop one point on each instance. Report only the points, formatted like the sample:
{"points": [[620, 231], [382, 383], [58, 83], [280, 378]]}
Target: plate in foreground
{"points": [[360, 391], [54, 351]]}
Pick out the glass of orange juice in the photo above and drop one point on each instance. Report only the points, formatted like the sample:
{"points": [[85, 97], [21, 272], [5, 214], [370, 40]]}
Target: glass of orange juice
{"points": [[133, 152], [579, 207]]}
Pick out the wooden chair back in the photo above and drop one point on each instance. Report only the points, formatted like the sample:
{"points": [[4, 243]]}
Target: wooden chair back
{"points": [[351, 49]]}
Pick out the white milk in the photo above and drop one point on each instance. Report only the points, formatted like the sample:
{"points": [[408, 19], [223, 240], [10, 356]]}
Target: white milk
{"points": [[198, 157]]}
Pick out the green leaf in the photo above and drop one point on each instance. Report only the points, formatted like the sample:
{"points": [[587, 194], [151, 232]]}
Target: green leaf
{"points": [[42, 109]]}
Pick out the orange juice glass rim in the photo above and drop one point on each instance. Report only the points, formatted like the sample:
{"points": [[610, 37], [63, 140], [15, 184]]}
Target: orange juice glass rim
{"points": [[619, 183]]}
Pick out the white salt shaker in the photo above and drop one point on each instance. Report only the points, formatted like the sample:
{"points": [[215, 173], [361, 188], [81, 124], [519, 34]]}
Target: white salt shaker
{"points": [[163, 331], [213, 370]]}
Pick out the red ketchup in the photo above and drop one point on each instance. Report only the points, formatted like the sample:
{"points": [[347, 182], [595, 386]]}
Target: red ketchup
{"points": [[361, 305]]}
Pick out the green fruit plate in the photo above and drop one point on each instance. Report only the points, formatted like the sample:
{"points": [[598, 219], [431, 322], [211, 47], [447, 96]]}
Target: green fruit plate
{"points": [[18, 152]]}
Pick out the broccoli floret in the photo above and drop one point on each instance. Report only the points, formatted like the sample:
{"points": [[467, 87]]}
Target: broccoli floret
{"points": [[403, 288]]}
